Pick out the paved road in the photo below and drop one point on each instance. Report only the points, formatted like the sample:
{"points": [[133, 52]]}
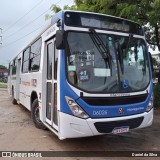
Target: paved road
{"points": [[18, 133]]}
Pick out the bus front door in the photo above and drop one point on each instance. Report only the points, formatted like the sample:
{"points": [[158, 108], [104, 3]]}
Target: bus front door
{"points": [[51, 85]]}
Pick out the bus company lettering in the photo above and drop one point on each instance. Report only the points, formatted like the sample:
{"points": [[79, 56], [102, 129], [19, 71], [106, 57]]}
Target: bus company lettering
{"points": [[135, 109], [25, 83], [100, 113], [119, 94], [51, 30], [13, 78]]}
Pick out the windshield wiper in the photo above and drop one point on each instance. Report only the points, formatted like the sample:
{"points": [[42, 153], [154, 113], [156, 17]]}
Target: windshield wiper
{"points": [[128, 44], [104, 50], [120, 56]]}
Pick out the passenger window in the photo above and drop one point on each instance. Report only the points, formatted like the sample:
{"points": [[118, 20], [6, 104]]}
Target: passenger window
{"points": [[14, 67], [25, 63], [35, 55]]}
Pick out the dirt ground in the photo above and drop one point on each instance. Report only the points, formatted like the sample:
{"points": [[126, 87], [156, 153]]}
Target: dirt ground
{"points": [[17, 133]]}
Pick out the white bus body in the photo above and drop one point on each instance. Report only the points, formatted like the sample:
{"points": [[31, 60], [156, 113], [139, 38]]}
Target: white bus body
{"points": [[38, 80]]}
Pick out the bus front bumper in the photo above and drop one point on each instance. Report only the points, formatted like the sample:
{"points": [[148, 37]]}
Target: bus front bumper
{"points": [[73, 127]]}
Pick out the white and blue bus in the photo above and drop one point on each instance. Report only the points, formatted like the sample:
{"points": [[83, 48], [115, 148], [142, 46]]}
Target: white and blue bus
{"points": [[87, 74]]}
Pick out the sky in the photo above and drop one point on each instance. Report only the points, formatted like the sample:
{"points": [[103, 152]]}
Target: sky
{"points": [[21, 21]]}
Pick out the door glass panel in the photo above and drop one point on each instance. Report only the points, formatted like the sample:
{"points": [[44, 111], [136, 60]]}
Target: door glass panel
{"points": [[55, 105], [49, 61], [51, 85], [48, 102], [55, 62]]}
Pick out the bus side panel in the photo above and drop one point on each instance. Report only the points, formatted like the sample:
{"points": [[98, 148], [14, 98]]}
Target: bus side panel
{"points": [[30, 82], [25, 90]]}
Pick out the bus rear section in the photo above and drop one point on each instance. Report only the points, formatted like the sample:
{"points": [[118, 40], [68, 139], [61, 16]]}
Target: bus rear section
{"points": [[14, 79]]}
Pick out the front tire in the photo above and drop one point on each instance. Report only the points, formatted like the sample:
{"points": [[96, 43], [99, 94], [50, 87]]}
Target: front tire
{"points": [[35, 115]]}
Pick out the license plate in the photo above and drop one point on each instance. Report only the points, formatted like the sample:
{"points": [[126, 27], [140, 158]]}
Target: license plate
{"points": [[118, 130]]}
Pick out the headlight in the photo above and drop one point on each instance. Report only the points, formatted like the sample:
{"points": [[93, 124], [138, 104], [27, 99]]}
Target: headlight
{"points": [[150, 104], [76, 109]]}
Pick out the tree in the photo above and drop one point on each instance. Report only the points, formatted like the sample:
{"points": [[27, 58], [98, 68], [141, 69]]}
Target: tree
{"points": [[2, 67], [54, 8], [145, 12], [156, 74]]}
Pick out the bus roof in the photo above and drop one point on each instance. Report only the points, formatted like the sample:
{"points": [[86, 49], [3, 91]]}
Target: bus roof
{"points": [[97, 21], [61, 13]]}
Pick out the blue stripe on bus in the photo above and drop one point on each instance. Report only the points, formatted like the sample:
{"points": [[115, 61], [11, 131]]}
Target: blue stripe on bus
{"points": [[113, 111]]}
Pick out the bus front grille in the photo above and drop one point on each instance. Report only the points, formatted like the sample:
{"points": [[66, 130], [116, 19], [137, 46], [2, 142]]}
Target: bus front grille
{"points": [[107, 127], [112, 101]]}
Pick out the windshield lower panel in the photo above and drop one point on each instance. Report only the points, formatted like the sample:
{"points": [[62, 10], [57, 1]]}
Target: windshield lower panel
{"points": [[87, 67]]}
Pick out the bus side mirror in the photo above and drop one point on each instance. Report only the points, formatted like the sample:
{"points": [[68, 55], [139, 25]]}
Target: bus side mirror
{"points": [[60, 39]]}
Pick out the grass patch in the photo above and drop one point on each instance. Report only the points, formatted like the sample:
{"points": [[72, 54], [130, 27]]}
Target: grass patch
{"points": [[3, 85]]}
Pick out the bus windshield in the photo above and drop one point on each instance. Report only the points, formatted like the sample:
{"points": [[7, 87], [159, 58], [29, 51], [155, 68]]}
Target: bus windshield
{"points": [[88, 69]]}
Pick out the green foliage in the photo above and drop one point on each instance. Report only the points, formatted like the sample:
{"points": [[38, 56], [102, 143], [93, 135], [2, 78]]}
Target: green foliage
{"points": [[155, 62], [156, 66], [66, 7], [157, 96], [54, 8], [2, 67]]}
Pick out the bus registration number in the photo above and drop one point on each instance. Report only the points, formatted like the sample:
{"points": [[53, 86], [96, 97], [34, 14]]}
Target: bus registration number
{"points": [[118, 130]]}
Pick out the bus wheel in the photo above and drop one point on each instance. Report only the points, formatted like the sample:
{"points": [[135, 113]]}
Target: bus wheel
{"points": [[13, 99], [35, 115]]}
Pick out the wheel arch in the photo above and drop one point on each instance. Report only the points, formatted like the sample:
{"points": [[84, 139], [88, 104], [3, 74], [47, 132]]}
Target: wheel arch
{"points": [[33, 97], [34, 108]]}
